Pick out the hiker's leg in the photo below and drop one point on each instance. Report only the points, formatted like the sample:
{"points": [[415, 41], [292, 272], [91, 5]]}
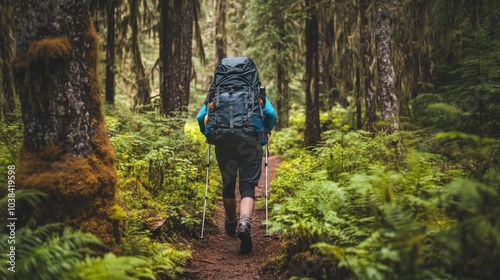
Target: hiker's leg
{"points": [[230, 210], [228, 168], [246, 209], [250, 171]]}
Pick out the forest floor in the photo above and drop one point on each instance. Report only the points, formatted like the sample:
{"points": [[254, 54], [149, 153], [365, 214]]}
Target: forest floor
{"points": [[217, 256]]}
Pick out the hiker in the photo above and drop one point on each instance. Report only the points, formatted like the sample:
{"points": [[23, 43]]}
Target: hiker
{"points": [[237, 119]]}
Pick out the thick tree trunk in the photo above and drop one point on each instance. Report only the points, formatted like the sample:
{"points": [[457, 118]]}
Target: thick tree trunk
{"points": [[368, 64], [312, 129], [387, 90], [220, 29], [142, 82], [110, 53], [66, 151], [7, 93], [176, 31]]}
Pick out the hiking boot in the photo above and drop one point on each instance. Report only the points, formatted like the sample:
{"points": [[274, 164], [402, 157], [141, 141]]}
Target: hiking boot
{"points": [[244, 236], [230, 228]]}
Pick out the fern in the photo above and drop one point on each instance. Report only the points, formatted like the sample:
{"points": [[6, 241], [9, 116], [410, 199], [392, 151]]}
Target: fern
{"points": [[111, 267], [30, 196]]}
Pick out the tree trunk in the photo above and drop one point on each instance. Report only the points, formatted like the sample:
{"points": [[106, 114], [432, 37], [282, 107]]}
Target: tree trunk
{"points": [[368, 64], [312, 129], [110, 53], [282, 105], [7, 94], [327, 64], [176, 31], [66, 151], [387, 77], [220, 30], [142, 82]]}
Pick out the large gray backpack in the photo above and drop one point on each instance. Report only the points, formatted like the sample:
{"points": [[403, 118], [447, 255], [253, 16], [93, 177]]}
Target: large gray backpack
{"points": [[234, 102]]}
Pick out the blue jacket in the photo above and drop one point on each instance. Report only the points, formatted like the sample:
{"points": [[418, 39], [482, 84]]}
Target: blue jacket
{"points": [[270, 117]]}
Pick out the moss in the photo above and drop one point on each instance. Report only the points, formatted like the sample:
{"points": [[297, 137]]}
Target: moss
{"points": [[81, 189], [49, 49], [19, 63], [117, 213]]}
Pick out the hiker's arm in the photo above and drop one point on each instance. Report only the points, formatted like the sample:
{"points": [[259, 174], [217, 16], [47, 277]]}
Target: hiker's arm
{"points": [[270, 115], [201, 118]]}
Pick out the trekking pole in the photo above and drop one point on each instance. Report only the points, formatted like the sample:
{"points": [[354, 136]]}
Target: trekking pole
{"points": [[267, 211], [206, 192]]}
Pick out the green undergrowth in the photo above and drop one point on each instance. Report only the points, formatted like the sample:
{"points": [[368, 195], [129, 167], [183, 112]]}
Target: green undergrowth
{"points": [[162, 171], [161, 164], [411, 205]]}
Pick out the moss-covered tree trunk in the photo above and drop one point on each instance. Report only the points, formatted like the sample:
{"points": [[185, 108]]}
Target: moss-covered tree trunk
{"points": [[386, 76], [312, 129], [367, 63], [110, 52], [142, 96], [220, 29], [176, 33], [66, 151], [7, 93]]}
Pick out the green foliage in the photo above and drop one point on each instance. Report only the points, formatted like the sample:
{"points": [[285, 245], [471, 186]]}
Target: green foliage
{"points": [[289, 141], [11, 136], [472, 84], [165, 261], [161, 170], [54, 251], [473, 243], [364, 207], [354, 151]]}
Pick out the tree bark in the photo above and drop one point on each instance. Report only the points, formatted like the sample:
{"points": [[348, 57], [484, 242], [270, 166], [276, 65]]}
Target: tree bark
{"points": [[368, 64], [282, 104], [220, 29], [312, 129], [66, 151], [176, 32], [110, 53], [7, 94], [142, 82], [387, 90]]}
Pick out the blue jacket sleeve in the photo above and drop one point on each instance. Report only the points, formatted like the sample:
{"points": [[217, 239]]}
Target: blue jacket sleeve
{"points": [[201, 118], [270, 115]]}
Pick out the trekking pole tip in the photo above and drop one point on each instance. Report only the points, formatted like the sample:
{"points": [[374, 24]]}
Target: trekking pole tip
{"points": [[267, 235], [201, 237]]}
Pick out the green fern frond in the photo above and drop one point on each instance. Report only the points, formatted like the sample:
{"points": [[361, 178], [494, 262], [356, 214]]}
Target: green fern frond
{"points": [[31, 196], [111, 267]]}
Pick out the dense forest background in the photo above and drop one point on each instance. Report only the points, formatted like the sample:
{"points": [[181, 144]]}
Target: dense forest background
{"points": [[389, 127]]}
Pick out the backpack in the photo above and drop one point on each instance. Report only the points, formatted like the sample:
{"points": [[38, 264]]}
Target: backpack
{"points": [[234, 102]]}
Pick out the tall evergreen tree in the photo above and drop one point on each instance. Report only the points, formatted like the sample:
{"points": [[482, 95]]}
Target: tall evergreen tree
{"points": [[387, 77], [176, 32], [66, 151], [367, 63], [220, 30], [142, 81], [110, 52], [312, 129], [273, 40]]}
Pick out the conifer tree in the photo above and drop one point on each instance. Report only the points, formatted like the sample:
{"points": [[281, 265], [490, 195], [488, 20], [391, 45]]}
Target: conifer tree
{"points": [[66, 151]]}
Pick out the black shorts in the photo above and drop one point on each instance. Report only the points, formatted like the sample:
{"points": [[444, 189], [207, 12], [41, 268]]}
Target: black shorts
{"points": [[243, 158]]}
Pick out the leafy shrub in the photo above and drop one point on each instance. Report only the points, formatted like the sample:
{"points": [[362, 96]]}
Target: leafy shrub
{"points": [[161, 170], [364, 207]]}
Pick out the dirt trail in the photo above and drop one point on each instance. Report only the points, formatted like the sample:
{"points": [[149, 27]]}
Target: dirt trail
{"points": [[217, 256]]}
